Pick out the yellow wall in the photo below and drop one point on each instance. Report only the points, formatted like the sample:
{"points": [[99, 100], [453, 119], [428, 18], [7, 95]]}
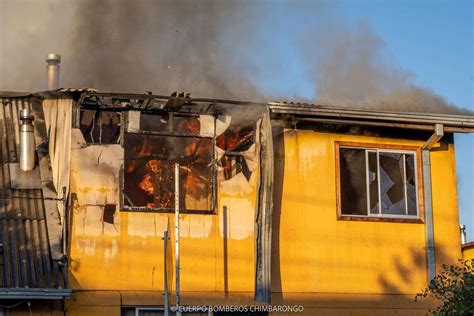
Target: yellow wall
{"points": [[323, 261], [128, 254], [468, 251], [322, 254]]}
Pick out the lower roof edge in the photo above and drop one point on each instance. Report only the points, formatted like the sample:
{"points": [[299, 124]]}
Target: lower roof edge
{"points": [[34, 293]]}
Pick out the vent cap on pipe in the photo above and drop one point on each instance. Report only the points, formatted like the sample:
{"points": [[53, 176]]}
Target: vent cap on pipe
{"points": [[463, 234], [25, 115], [52, 71], [53, 58]]}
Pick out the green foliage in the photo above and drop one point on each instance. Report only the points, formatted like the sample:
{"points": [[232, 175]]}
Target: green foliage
{"points": [[454, 288]]}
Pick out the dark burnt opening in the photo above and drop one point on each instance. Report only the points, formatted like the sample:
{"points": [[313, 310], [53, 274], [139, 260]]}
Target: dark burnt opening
{"points": [[100, 127], [235, 141]]}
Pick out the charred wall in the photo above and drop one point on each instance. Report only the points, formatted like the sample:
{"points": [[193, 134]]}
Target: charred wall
{"points": [[122, 189]]}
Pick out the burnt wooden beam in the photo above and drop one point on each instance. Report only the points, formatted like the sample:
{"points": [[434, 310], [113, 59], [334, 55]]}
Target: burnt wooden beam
{"points": [[263, 214]]}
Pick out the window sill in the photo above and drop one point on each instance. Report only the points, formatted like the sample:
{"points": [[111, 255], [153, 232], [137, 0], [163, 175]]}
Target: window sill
{"points": [[379, 219], [136, 209]]}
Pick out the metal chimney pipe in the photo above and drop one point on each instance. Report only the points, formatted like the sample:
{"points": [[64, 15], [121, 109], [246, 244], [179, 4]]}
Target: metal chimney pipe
{"points": [[52, 71], [27, 141], [463, 234]]}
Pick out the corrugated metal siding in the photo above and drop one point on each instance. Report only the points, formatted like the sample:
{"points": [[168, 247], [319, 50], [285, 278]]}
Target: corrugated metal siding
{"points": [[25, 258]]}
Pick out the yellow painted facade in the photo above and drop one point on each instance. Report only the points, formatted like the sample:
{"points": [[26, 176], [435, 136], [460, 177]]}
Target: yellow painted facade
{"points": [[468, 251], [328, 265]]}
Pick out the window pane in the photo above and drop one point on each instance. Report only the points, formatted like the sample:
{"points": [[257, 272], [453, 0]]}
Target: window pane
{"points": [[373, 183], [353, 181], [392, 189], [149, 171], [411, 185]]}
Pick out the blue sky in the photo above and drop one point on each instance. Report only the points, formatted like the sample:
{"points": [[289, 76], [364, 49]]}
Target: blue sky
{"points": [[433, 40]]}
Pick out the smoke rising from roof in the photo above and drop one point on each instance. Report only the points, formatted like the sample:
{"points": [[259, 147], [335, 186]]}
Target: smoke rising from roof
{"points": [[350, 66], [160, 46], [129, 46], [207, 48]]}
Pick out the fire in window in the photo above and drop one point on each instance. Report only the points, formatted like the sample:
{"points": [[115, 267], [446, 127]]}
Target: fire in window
{"points": [[378, 182], [149, 176]]}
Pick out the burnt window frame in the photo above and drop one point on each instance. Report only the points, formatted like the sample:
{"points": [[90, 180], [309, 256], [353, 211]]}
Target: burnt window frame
{"points": [[76, 122], [171, 115], [384, 148]]}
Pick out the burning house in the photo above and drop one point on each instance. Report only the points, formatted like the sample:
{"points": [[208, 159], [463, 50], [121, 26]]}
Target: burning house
{"points": [[280, 204]]}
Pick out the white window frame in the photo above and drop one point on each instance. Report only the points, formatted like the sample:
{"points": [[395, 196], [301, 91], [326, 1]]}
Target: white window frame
{"points": [[378, 151]]}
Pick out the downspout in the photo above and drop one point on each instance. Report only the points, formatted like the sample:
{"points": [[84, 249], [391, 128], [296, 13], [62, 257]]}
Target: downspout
{"points": [[430, 246]]}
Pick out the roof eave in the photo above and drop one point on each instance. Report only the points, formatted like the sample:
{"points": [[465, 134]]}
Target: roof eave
{"points": [[35, 293], [422, 121]]}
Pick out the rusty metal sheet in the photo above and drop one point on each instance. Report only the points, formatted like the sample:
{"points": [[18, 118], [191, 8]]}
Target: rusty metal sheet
{"points": [[24, 246]]}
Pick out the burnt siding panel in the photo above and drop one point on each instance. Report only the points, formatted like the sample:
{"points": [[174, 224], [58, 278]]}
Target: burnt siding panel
{"points": [[25, 257]]}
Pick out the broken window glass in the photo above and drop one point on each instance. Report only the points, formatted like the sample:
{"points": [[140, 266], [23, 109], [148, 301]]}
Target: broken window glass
{"points": [[353, 181], [149, 172], [100, 127], [384, 180], [392, 195], [411, 185], [373, 182]]}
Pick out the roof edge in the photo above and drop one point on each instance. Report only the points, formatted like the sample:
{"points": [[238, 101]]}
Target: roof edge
{"points": [[35, 293], [454, 123], [14, 94]]}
